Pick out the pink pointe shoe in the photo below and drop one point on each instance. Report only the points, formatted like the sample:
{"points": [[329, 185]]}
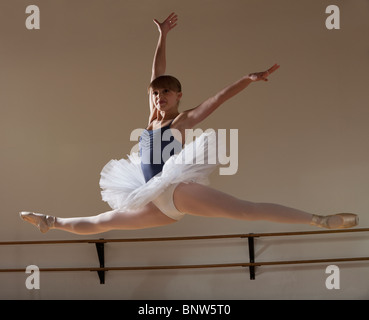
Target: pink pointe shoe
{"points": [[336, 221], [41, 221]]}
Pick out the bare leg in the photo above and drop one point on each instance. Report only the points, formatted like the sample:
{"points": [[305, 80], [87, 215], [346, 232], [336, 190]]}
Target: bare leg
{"points": [[200, 200], [194, 199], [146, 217]]}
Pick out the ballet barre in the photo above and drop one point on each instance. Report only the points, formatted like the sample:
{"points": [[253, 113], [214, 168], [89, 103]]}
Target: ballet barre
{"points": [[251, 264]]}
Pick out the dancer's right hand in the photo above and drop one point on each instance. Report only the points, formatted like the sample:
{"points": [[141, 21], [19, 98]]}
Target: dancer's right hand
{"points": [[168, 24]]}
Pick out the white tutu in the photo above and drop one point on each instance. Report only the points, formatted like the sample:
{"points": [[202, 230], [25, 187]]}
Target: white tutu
{"points": [[123, 184]]}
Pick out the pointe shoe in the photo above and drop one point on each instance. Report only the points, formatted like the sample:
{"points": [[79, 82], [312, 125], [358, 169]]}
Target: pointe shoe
{"points": [[348, 220], [41, 221]]}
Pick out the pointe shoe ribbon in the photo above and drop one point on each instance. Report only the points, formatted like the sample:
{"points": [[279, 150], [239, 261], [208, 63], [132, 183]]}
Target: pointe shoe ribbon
{"points": [[41, 221]]}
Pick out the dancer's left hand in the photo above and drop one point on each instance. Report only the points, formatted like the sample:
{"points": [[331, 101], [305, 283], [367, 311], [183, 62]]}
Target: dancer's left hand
{"points": [[257, 76]]}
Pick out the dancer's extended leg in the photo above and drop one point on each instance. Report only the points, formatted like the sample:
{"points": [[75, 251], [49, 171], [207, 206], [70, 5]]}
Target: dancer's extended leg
{"points": [[146, 217], [200, 200]]}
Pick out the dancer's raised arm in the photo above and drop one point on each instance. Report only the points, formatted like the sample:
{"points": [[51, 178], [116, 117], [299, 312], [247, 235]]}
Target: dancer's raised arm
{"points": [[202, 111], [159, 63]]}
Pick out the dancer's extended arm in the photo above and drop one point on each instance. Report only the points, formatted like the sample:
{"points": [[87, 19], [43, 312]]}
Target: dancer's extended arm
{"points": [[198, 114], [159, 63]]}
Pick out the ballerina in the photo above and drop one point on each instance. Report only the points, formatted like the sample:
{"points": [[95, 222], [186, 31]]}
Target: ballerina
{"points": [[153, 188]]}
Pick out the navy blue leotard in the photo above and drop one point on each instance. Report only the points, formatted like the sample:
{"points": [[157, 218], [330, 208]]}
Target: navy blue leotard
{"points": [[156, 146]]}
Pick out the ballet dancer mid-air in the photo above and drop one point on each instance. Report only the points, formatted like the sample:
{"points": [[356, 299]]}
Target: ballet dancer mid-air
{"points": [[145, 193]]}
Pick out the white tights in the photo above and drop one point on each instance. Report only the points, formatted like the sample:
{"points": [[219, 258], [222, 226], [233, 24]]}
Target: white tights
{"points": [[192, 199]]}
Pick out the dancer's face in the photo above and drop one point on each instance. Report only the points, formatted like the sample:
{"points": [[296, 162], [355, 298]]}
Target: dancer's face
{"points": [[165, 99]]}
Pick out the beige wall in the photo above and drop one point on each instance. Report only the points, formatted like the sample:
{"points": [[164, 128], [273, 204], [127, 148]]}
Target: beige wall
{"points": [[72, 92]]}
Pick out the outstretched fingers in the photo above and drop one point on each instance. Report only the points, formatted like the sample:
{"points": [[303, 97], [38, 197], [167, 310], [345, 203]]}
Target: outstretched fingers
{"points": [[172, 20], [273, 68], [267, 73]]}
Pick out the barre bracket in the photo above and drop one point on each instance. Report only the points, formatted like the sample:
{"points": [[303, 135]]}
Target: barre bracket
{"points": [[251, 257], [101, 256]]}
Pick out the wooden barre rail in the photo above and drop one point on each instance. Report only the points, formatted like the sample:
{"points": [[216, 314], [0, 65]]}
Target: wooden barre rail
{"points": [[224, 236], [99, 243], [199, 266]]}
